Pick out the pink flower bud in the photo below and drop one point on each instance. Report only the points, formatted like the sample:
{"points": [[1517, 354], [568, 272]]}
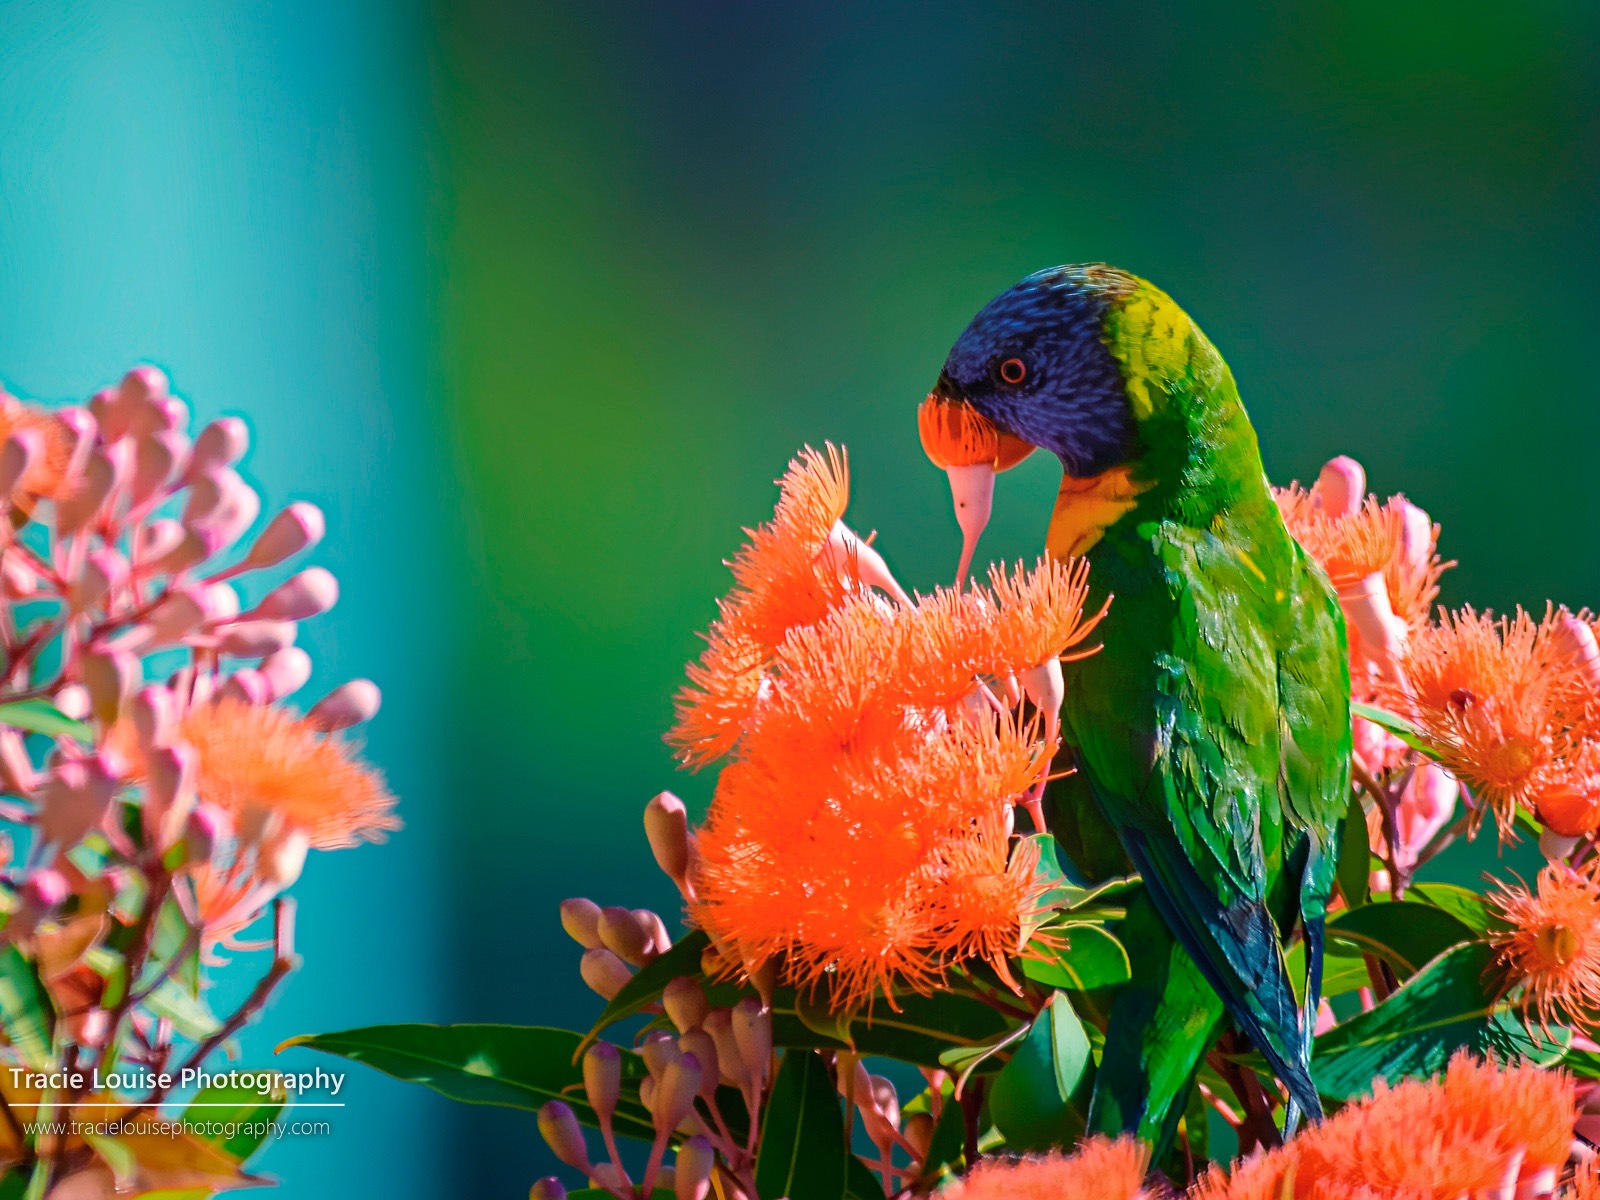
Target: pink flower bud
{"points": [[81, 427], [207, 828], [658, 1050], [155, 542], [353, 703], [581, 920], [103, 570], [604, 972], [220, 444], [16, 768], [296, 528], [1341, 487], [154, 460], [1383, 635], [193, 547], [110, 413], [143, 385], [73, 701], [1416, 536], [256, 639], [700, 1044], [309, 594], [666, 827], [625, 936], [685, 1002], [17, 580], [548, 1188], [152, 713], [169, 792], [752, 1030], [220, 601], [110, 677], [602, 1079], [45, 890], [282, 857], [83, 504], [222, 503], [691, 1179], [719, 1024], [75, 799], [656, 928], [558, 1125], [1575, 642], [178, 614], [248, 686], [286, 672], [16, 456], [678, 1085]]}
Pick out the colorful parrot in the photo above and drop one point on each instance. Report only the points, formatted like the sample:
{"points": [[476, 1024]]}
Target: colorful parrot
{"points": [[1211, 734]]}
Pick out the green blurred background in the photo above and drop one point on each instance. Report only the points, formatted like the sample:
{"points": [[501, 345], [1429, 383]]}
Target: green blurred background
{"points": [[537, 299]]}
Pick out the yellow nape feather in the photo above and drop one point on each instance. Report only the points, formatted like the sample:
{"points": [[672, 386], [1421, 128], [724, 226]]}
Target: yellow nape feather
{"points": [[1086, 508]]}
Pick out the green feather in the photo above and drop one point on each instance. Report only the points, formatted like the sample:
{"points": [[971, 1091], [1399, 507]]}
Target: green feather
{"points": [[1212, 729]]}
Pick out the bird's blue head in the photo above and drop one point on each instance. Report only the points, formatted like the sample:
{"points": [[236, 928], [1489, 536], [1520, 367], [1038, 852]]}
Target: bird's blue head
{"points": [[1036, 362]]}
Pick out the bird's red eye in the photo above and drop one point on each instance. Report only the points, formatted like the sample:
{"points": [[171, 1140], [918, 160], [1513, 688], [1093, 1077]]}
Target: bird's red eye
{"points": [[1013, 370]]}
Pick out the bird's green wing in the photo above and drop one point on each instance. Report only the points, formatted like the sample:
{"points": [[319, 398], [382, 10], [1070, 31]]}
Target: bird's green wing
{"points": [[1177, 725]]}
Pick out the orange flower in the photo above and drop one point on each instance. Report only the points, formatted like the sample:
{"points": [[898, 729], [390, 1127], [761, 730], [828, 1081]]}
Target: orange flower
{"points": [[1499, 704], [1041, 611], [1101, 1169], [46, 475], [1264, 1176], [982, 903], [781, 582], [1552, 950], [1349, 547], [254, 759]]}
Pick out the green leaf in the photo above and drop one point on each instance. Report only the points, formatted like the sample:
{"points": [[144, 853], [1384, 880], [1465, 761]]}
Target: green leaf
{"points": [[1041, 1098], [1092, 958], [1444, 1008], [861, 1181], [512, 1066], [1354, 868], [1395, 724], [920, 1033], [645, 988], [962, 1061], [1404, 933], [803, 1147], [1468, 907], [40, 716], [819, 1017], [189, 1016], [238, 1106], [28, 1014]]}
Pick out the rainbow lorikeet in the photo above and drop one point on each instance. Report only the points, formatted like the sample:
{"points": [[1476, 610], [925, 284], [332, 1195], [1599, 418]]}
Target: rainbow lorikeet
{"points": [[1211, 733]]}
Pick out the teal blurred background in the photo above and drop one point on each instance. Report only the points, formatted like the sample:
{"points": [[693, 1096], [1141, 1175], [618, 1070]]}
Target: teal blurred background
{"points": [[536, 299]]}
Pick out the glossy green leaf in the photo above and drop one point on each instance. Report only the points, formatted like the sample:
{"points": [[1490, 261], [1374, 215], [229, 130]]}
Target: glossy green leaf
{"points": [[803, 1148], [1404, 933], [816, 1015], [1343, 970], [1091, 958], [1444, 1008], [225, 1104], [962, 1061], [26, 1009], [645, 988], [1395, 724], [861, 1182], [1466, 906], [40, 716], [1354, 868], [922, 1030], [512, 1066], [1040, 1099], [189, 1016]]}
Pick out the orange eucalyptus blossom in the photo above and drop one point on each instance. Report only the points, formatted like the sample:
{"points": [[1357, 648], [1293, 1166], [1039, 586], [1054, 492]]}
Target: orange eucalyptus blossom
{"points": [[1099, 1169], [1551, 948], [859, 838]]}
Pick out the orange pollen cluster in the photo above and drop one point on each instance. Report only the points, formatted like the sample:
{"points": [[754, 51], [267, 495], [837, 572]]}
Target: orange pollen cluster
{"points": [[1509, 712], [1100, 1169], [1551, 948], [47, 473], [1478, 1129], [860, 834], [258, 759]]}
